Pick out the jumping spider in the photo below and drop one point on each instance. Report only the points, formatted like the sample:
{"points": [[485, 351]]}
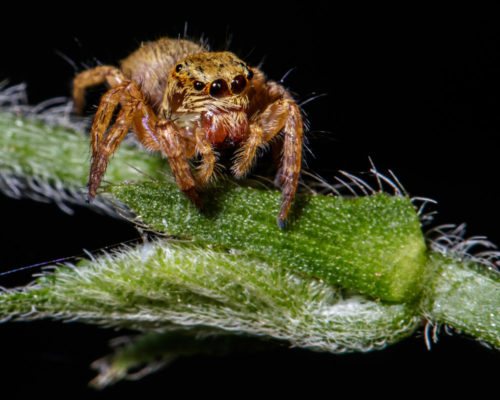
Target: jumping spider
{"points": [[185, 101]]}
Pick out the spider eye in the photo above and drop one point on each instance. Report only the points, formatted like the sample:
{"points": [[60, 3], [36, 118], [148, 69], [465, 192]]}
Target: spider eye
{"points": [[218, 88], [198, 85], [178, 67], [249, 74], [238, 84]]}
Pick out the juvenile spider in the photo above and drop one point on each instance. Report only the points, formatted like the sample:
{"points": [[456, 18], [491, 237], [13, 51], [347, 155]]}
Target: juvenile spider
{"points": [[185, 101]]}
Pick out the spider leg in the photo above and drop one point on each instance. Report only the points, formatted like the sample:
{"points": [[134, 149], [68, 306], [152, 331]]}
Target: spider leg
{"points": [[292, 158], [107, 106], [277, 154], [134, 112], [245, 155], [266, 127], [96, 76], [207, 166], [104, 145], [164, 136], [282, 116], [108, 145], [173, 146]]}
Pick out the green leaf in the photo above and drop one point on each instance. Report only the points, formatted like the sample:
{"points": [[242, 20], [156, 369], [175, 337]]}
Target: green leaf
{"points": [[164, 285]]}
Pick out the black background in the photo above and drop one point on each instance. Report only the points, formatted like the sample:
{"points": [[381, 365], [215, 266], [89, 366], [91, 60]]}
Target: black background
{"points": [[416, 90]]}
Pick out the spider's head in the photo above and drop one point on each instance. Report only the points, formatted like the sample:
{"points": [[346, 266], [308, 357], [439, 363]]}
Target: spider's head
{"points": [[208, 80]]}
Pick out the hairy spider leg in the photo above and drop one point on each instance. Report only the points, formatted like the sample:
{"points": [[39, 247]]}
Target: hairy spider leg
{"points": [[109, 101], [104, 145], [276, 155], [208, 156], [162, 135], [268, 124], [281, 116], [153, 134], [134, 112], [174, 145], [92, 77], [292, 158]]}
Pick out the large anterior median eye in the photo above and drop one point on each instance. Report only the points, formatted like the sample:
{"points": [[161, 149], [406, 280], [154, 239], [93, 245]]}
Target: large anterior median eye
{"points": [[238, 84], [219, 88]]}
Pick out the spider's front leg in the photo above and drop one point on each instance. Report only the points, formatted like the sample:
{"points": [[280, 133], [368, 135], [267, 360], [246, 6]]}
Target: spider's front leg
{"points": [[104, 141], [282, 116], [177, 149], [154, 134], [208, 157], [91, 77]]}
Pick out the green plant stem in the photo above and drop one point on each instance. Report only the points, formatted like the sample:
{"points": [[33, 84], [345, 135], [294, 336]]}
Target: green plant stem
{"points": [[52, 162], [371, 244], [137, 356], [465, 295]]}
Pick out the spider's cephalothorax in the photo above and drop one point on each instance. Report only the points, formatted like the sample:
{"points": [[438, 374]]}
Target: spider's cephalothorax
{"points": [[185, 101]]}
